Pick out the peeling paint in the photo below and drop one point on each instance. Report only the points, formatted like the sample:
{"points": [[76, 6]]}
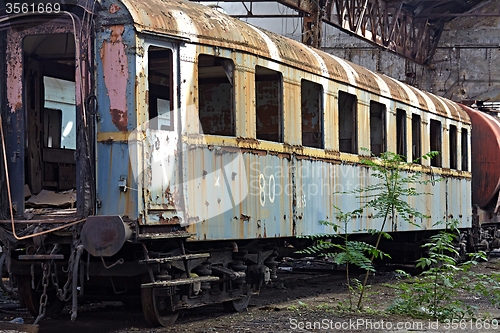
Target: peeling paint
{"points": [[116, 74], [14, 73], [114, 8]]}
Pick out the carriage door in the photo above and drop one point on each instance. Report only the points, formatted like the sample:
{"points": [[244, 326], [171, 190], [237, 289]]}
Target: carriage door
{"points": [[49, 78], [41, 124], [161, 159]]}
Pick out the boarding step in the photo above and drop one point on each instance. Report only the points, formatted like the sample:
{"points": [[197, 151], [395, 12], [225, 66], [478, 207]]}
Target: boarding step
{"points": [[41, 257], [175, 258], [163, 235], [179, 282]]}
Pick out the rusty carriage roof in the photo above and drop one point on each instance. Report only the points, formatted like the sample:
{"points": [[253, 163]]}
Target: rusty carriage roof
{"points": [[204, 25]]}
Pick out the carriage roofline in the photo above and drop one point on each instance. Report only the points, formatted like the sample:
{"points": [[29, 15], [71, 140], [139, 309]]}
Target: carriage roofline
{"points": [[204, 25]]}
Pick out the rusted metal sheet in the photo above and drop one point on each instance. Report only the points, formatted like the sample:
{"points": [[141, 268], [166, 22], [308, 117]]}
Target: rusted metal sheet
{"points": [[290, 196], [204, 25], [116, 74], [238, 195], [161, 189], [14, 72], [206, 181], [117, 186], [485, 145]]}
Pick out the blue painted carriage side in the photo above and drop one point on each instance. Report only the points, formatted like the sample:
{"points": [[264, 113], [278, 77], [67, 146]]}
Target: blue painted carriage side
{"points": [[115, 78], [114, 167], [115, 86], [313, 189], [238, 206]]}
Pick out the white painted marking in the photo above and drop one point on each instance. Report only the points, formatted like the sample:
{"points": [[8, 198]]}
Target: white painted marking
{"points": [[273, 49], [322, 64], [448, 112], [430, 104], [184, 22], [382, 85], [352, 75], [411, 95]]}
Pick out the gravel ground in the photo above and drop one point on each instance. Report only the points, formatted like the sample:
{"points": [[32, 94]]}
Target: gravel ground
{"points": [[298, 302]]}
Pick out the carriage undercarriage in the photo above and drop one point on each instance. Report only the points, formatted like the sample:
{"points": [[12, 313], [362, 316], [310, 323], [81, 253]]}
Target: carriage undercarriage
{"points": [[161, 273]]}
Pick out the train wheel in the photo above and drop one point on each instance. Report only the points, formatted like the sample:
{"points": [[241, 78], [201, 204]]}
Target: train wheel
{"points": [[157, 307], [237, 305], [30, 298]]}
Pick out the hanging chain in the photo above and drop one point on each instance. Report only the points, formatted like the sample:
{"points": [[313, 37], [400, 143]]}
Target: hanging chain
{"points": [[63, 293], [43, 298]]}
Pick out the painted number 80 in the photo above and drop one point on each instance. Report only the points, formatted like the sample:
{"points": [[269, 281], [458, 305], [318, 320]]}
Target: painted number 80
{"points": [[271, 191]]}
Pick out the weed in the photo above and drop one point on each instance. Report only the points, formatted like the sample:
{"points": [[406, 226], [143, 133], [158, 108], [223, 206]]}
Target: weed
{"points": [[434, 293]]}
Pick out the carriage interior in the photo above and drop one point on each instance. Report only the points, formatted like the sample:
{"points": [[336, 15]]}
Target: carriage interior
{"points": [[51, 135]]}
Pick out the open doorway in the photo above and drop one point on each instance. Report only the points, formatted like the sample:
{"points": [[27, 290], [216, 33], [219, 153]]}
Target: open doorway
{"points": [[50, 120]]}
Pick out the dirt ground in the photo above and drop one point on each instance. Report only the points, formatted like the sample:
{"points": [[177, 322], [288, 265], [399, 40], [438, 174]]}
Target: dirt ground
{"points": [[299, 302]]}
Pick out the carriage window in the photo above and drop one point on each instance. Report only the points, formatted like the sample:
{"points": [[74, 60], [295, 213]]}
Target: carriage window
{"points": [[59, 118], [347, 123], [416, 138], [216, 95], [269, 104], [160, 89], [401, 132], [465, 150], [453, 147], [312, 114], [436, 142], [377, 128]]}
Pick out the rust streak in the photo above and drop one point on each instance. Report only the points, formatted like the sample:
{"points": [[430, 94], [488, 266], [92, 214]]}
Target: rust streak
{"points": [[115, 66]]}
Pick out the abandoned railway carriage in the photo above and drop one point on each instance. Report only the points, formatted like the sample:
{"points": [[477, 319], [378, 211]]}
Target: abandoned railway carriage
{"points": [[163, 149]]}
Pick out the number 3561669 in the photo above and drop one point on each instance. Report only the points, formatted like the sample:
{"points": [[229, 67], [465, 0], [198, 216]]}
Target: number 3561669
{"points": [[32, 8]]}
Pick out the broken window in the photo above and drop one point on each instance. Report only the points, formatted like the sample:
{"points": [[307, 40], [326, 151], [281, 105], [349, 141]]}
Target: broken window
{"points": [[416, 138], [465, 150], [160, 89], [401, 132], [216, 95], [377, 128], [269, 104], [453, 147], [348, 121], [436, 142], [312, 114]]}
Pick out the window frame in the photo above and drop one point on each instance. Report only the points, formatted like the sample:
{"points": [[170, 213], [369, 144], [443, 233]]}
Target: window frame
{"points": [[382, 108], [320, 143], [352, 114], [416, 138], [228, 67], [401, 133], [157, 91], [261, 77]]}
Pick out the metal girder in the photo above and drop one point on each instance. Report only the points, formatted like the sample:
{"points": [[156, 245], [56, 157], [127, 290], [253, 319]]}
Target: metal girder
{"points": [[311, 25], [409, 28], [389, 25]]}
